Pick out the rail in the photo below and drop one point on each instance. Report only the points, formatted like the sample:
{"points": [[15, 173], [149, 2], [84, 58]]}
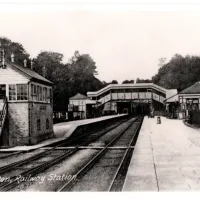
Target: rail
{"points": [[47, 164], [3, 114], [68, 185]]}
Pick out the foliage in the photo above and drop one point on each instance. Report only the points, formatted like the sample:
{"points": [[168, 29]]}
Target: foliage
{"points": [[127, 81], [77, 76], [17, 49], [114, 82], [180, 72], [143, 80]]}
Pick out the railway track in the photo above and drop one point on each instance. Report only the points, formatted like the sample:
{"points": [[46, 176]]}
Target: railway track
{"points": [[42, 161], [106, 171]]}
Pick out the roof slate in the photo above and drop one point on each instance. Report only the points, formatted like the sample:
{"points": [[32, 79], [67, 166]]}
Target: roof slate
{"points": [[31, 73], [194, 89], [78, 96]]}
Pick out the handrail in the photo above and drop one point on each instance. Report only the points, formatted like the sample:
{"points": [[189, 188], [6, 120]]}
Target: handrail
{"points": [[3, 115]]}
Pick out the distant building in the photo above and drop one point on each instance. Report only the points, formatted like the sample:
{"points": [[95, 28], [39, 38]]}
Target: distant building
{"points": [[26, 108], [190, 98], [80, 107]]}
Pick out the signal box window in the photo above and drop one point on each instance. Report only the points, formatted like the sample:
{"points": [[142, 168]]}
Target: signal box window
{"points": [[38, 125], [22, 92], [47, 124], [12, 92]]}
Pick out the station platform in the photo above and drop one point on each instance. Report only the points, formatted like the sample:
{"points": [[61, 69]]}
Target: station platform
{"points": [[166, 158], [61, 132]]}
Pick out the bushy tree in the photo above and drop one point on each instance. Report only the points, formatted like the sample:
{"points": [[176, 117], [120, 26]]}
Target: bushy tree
{"points": [[138, 80], [114, 82], [17, 49], [127, 81], [180, 72], [76, 76]]}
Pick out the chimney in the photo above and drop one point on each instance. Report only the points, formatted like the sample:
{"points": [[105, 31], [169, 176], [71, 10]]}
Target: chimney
{"points": [[25, 63], [31, 64], [12, 58], [3, 57]]}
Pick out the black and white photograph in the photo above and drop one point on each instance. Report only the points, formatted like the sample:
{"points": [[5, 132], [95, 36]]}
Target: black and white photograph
{"points": [[99, 96]]}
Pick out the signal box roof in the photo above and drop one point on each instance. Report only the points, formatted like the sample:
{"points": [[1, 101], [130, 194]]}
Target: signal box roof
{"points": [[30, 73]]}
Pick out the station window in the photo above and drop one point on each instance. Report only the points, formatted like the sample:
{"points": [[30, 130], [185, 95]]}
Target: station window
{"points": [[38, 125], [43, 94], [120, 90], [47, 124], [142, 90], [134, 90], [40, 92], [37, 93], [22, 92], [12, 92], [149, 90], [128, 90], [114, 91], [48, 95], [33, 92]]}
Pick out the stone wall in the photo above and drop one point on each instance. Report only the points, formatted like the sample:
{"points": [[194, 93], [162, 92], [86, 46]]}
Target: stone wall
{"points": [[42, 112], [18, 123], [21, 114]]}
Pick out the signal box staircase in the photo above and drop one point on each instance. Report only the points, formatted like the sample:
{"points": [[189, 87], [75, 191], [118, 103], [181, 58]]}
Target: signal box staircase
{"points": [[3, 122]]}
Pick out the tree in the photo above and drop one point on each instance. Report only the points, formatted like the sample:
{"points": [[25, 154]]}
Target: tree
{"points": [[114, 82], [179, 73], [143, 80], [47, 61], [128, 82], [17, 49], [77, 76]]}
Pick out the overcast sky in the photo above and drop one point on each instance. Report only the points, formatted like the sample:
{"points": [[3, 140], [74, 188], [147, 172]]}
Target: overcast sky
{"points": [[124, 44]]}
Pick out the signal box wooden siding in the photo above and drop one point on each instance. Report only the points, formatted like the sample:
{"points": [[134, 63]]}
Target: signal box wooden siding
{"points": [[30, 109]]}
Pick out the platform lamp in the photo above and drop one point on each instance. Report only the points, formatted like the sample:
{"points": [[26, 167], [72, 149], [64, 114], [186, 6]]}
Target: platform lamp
{"points": [[12, 58]]}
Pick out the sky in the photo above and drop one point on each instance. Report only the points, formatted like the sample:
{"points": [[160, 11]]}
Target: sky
{"points": [[124, 43]]}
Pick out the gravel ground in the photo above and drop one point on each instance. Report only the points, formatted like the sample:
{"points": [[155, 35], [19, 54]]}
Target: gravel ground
{"points": [[100, 176], [104, 140]]}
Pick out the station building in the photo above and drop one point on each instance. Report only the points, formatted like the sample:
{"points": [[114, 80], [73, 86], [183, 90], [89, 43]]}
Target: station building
{"points": [[139, 98], [80, 107], [184, 102], [26, 108], [189, 99]]}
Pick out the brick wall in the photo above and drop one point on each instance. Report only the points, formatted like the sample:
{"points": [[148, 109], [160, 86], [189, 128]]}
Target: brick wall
{"points": [[42, 112]]}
